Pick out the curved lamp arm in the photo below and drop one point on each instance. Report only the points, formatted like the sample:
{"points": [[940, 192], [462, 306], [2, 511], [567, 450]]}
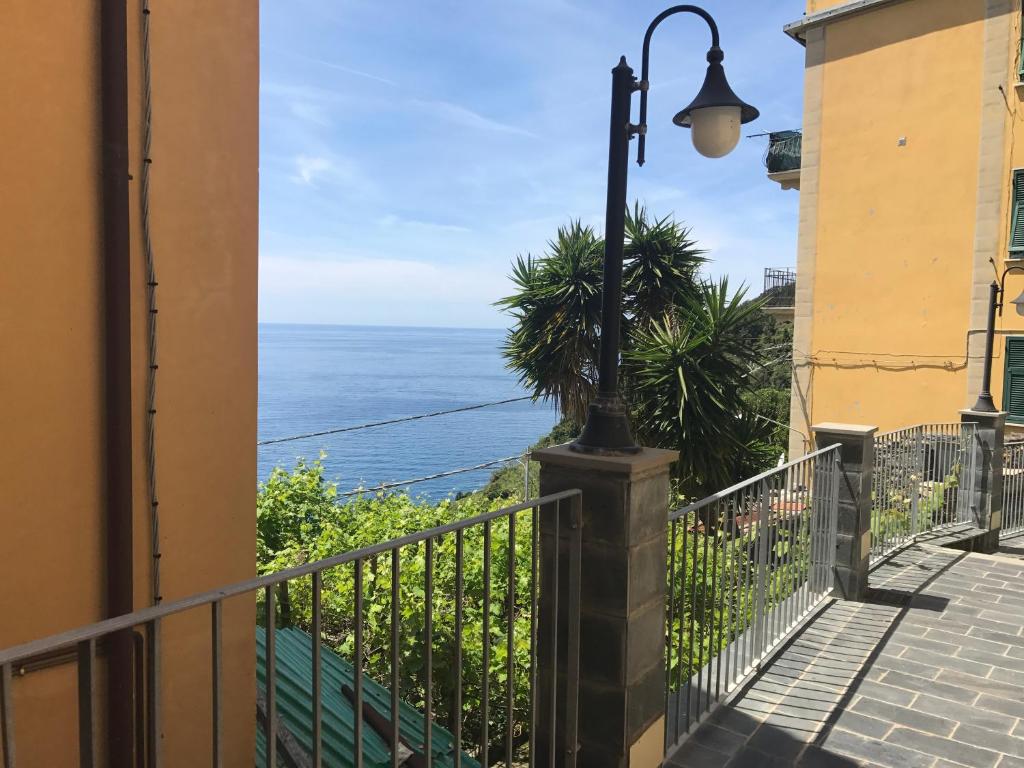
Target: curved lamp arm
{"points": [[644, 83], [1002, 283]]}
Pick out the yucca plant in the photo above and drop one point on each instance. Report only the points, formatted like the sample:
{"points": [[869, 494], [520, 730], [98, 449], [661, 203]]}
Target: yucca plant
{"points": [[684, 377], [554, 343], [686, 351], [660, 266]]}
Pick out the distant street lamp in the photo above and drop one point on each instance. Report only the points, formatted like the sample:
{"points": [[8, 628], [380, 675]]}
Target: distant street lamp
{"points": [[714, 117], [995, 302]]}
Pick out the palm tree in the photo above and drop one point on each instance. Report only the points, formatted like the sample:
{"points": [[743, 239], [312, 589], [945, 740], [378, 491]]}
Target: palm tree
{"points": [[661, 262], [685, 376], [685, 360], [557, 309]]}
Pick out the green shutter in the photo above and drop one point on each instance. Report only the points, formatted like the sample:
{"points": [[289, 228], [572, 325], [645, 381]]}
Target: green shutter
{"points": [[1017, 215], [1020, 56], [1013, 379]]}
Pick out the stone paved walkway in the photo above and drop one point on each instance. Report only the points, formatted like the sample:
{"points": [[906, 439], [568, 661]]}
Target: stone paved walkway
{"points": [[1012, 546], [928, 674]]}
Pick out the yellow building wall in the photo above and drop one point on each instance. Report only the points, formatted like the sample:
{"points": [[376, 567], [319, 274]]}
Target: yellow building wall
{"points": [[1010, 323], [204, 222], [813, 6], [898, 176]]}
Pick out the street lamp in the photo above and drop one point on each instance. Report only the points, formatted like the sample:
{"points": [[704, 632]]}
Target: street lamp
{"points": [[995, 302], [714, 117]]}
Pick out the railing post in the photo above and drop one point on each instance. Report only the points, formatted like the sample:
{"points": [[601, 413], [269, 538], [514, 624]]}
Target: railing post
{"points": [[853, 516], [764, 525], [622, 603], [916, 479], [985, 486]]}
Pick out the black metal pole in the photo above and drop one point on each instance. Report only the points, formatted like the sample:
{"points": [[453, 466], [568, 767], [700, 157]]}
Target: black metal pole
{"points": [[985, 404], [607, 429]]}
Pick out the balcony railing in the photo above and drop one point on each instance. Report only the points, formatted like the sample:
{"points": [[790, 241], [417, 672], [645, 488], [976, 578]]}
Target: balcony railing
{"points": [[779, 287], [484, 612], [459, 646], [1013, 489], [746, 566], [783, 152], [921, 482]]}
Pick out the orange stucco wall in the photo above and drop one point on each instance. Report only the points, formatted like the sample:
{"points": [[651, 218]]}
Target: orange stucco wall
{"points": [[204, 223], [900, 131]]}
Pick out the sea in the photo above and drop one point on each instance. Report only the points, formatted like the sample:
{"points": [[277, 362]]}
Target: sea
{"points": [[314, 378]]}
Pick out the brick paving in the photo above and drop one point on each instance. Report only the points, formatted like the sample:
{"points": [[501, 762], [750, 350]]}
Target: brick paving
{"points": [[929, 673]]}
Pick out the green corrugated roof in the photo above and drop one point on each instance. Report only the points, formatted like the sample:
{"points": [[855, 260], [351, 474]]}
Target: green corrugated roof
{"points": [[295, 706]]}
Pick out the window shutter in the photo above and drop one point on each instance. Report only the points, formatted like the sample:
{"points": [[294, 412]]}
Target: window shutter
{"points": [[1013, 379], [1020, 57], [1017, 215]]}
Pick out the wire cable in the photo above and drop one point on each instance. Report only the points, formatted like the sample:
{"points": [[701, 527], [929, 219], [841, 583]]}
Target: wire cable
{"points": [[151, 307], [437, 476], [339, 430]]}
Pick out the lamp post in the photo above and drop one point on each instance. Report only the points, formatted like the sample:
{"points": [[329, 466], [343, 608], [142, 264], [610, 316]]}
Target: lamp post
{"points": [[714, 117], [995, 302]]}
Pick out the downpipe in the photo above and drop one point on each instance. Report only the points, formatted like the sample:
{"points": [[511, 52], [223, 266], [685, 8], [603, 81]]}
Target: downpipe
{"points": [[116, 253]]}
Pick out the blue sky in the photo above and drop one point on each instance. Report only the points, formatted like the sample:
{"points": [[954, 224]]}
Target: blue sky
{"points": [[409, 150]]}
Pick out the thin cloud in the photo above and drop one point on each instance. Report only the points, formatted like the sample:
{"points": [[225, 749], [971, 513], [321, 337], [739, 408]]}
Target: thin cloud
{"points": [[467, 118], [308, 103], [350, 71], [307, 168], [340, 288], [391, 221], [333, 65]]}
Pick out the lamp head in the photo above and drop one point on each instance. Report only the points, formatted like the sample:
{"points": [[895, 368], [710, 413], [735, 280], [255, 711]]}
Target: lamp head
{"points": [[1019, 304], [716, 114]]}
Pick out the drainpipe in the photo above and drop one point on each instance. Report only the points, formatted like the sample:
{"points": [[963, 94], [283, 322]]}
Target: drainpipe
{"points": [[117, 372]]}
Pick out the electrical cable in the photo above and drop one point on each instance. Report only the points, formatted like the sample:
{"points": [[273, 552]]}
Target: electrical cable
{"points": [[438, 475], [151, 308], [339, 430]]}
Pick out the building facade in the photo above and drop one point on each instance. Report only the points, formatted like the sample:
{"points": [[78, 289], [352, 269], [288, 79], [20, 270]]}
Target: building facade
{"points": [[84, 522], [908, 197]]}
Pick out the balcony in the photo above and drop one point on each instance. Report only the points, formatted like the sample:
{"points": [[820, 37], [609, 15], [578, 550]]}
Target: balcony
{"points": [[782, 158], [831, 612], [779, 293]]}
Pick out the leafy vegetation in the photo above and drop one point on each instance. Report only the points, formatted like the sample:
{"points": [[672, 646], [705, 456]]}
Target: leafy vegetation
{"points": [[300, 519], [712, 577], [693, 351], [904, 480]]}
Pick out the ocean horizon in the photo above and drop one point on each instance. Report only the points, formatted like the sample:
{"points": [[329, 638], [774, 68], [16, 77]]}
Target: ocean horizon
{"points": [[321, 377]]}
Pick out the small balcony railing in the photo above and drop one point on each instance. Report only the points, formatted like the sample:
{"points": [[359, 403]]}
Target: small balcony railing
{"points": [[779, 287], [783, 151]]}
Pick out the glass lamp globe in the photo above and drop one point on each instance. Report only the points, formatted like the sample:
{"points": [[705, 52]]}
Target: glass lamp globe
{"points": [[1019, 304], [716, 130], [716, 114]]}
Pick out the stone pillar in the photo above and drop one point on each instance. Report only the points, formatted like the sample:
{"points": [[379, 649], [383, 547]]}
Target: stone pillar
{"points": [[985, 488], [622, 611], [853, 533]]}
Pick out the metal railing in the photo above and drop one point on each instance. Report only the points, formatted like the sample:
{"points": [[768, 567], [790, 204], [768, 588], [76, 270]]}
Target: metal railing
{"points": [[783, 153], [492, 580], [779, 287], [1013, 489], [922, 478], [746, 566]]}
